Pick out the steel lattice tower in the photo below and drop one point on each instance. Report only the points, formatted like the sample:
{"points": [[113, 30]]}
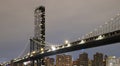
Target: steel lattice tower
{"points": [[39, 30]]}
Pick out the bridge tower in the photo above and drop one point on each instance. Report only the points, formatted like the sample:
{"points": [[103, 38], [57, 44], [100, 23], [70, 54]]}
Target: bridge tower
{"points": [[37, 43], [39, 30]]}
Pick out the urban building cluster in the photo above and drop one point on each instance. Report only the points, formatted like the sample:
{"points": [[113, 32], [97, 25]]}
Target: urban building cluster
{"points": [[98, 60]]}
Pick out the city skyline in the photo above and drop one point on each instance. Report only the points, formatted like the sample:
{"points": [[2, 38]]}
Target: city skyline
{"points": [[99, 59], [16, 29]]}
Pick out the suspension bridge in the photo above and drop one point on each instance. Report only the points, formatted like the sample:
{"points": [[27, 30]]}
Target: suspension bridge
{"points": [[106, 34]]}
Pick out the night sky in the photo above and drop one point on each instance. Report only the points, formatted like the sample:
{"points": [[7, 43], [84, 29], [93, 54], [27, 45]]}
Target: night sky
{"points": [[65, 19]]}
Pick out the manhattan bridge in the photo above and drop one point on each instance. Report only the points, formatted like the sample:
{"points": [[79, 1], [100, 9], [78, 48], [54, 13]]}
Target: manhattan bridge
{"points": [[108, 33]]}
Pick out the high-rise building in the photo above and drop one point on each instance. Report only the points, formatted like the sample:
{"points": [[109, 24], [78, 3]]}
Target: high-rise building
{"points": [[83, 59], [49, 61], [63, 60], [67, 60], [113, 61], [90, 63], [98, 60], [75, 63], [59, 60]]}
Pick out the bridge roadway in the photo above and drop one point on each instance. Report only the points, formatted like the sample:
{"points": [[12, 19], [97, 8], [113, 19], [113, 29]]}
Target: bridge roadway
{"points": [[109, 38]]}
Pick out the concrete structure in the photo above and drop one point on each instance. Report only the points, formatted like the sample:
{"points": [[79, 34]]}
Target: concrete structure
{"points": [[49, 61], [59, 60], [113, 61], [67, 60], [75, 63], [83, 59], [98, 60], [63, 60]]}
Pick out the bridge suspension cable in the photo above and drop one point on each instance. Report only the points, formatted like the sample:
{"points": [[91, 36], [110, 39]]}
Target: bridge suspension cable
{"points": [[25, 50], [27, 45], [112, 25]]}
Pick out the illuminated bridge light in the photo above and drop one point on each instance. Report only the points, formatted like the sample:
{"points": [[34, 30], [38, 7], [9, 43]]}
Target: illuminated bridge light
{"points": [[28, 54], [23, 58], [48, 50], [42, 52], [31, 55], [53, 48], [66, 41], [57, 48], [100, 37], [26, 63], [82, 42], [42, 49], [68, 45], [33, 52], [63, 46]]}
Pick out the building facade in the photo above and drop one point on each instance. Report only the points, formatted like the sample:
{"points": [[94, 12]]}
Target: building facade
{"points": [[83, 59], [49, 61], [63, 60], [113, 61], [59, 60], [98, 60]]}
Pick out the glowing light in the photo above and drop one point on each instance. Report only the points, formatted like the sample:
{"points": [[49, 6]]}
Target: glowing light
{"points": [[26, 57], [34, 52], [63, 46], [66, 41], [53, 48], [100, 37], [82, 42], [31, 55], [23, 58], [26, 63], [69, 45], [42, 49], [48, 50], [42, 52], [57, 48], [28, 54]]}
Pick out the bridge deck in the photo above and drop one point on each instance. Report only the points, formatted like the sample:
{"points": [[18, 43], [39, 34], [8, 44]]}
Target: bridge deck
{"points": [[110, 38]]}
